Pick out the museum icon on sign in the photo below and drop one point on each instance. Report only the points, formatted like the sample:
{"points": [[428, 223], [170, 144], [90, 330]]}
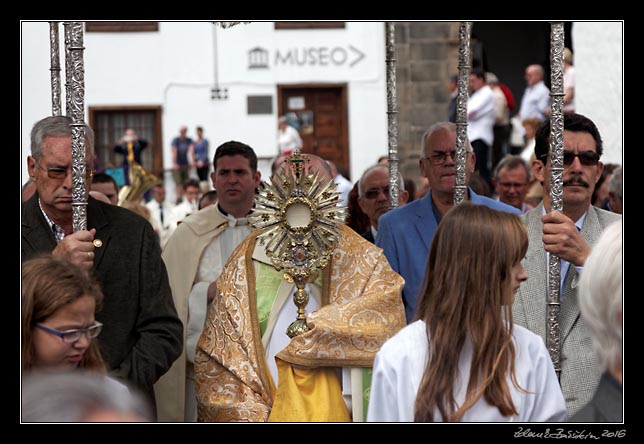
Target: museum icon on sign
{"points": [[258, 58]]}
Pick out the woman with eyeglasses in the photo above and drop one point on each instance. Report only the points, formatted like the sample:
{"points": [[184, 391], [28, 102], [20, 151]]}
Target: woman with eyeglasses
{"points": [[58, 325], [59, 300]]}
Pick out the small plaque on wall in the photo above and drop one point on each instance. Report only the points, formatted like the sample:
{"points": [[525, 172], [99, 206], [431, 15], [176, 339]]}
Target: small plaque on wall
{"points": [[260, 104], [295, 103]]}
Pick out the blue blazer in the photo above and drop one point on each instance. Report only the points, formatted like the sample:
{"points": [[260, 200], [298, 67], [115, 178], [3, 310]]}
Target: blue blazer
{"points": [[405, 234]]}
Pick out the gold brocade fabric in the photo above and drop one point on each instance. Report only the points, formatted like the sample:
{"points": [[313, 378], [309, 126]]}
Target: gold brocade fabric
{"points": [[363, 309]]}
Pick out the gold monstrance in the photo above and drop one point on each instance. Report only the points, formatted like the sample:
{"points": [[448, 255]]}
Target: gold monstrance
{"points": [[301, 217]]}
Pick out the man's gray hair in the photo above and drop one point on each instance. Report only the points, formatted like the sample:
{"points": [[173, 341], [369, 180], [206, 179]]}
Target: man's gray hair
{"points": [[361, 190], [70, 396], [56, 126], [512, 161], [441, 126], [600, 295]]}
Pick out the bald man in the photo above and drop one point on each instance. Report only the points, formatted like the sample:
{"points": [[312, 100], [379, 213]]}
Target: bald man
{"points": [[536, 97], [248, 369]]}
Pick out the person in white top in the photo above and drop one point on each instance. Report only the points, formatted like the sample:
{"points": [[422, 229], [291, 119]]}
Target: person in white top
{"points": [[288, 138], [189, 204], [481, 114], [344, 184], [160, 213], [463, 359]]}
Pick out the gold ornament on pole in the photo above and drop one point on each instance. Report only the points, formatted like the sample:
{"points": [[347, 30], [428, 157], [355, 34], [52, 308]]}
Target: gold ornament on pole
{"points": [[301, 218]]}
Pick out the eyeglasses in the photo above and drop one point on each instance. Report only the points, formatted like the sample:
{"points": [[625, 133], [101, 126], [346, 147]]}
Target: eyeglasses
{"points": [[586, 158], [373, 193], [439, 157], [61, 173], [71, 336]]}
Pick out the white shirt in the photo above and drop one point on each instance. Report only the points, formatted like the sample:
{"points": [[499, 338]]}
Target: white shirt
{"points": [[400, 364], [162, 228], [344, 187], [481, 113], [212, 261], [535, 101], [288, 140]]}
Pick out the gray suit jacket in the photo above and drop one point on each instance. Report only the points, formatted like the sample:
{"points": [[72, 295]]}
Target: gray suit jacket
{"points": [[606, 405], [580, 371], [142, 334]]}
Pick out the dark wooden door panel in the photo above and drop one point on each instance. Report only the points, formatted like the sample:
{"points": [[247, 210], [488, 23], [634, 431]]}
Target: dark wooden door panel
{"points": [[322, 119]]}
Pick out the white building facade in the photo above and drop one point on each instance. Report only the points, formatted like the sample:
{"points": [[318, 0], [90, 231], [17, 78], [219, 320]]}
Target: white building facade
{"points": [[236, 82], [177, 68]]}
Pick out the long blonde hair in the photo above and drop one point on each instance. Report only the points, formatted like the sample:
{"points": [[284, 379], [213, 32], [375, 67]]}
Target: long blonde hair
{"points": [[49, 283], [467, 294]]}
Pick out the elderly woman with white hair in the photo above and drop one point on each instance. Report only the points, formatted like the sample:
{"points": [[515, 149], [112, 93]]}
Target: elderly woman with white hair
{"points": [[600, 301]]}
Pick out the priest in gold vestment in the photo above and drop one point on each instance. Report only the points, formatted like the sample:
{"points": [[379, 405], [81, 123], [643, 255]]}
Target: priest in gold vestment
{"points": [[248, 369]]}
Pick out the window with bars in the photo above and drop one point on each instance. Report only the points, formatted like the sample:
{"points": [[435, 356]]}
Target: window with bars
{"points": [[109, 125]]}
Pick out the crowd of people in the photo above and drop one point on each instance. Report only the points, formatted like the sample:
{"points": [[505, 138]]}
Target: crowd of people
{"points": [[427, 312]]}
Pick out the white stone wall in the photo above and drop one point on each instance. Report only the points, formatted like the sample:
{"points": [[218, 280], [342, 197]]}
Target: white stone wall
{"points": [[174, 68], [599, 76]]}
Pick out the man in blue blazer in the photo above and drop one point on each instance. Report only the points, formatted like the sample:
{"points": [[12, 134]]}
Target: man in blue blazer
{"points": [[405, 233]]}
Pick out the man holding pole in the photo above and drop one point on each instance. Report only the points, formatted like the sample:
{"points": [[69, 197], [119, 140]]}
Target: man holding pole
{"points": [[142, 334], [570, 235]]}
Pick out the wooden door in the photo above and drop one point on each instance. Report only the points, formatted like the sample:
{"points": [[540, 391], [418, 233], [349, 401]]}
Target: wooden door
{"points": [[320, 113]]}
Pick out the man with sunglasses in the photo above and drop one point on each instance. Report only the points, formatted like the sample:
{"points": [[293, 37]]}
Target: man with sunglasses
{"points": [[570, 235], [142, 334], [405, 234], [373, 196]]}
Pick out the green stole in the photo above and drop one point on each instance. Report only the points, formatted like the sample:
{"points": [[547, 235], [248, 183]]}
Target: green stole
{"points": [[271, 284]]}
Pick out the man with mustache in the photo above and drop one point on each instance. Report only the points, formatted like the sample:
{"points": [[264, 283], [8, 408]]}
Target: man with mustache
{"points": [[570, 235]]}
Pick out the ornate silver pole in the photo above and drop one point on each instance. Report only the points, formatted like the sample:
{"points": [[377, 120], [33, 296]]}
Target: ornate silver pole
{"points": [[556, 186], [392, 112], [68, 69], [54, 56], [76, 101], [464, 33]]}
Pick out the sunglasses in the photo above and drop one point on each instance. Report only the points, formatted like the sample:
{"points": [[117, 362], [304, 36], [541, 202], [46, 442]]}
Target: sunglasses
{"points": [[61, 173], [586, 158], [373, 193]]}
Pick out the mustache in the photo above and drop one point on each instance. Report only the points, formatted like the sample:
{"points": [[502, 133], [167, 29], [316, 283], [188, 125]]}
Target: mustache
{"points": [[576, 181]]}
